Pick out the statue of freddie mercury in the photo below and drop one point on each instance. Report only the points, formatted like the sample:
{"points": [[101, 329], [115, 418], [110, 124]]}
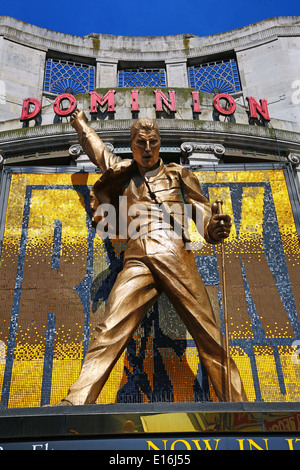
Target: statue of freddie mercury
{"points": [[154, 261]]}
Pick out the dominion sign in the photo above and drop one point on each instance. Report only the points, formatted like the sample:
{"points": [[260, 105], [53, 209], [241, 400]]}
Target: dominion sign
{"points": [[65, 104]]}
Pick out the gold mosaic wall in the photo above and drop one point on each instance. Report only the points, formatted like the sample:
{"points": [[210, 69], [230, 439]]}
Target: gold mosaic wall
{"points": [[55, 276]]}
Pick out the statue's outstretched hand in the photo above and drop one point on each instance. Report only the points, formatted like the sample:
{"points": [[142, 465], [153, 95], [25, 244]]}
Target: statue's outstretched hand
{"points": [[220, 224]]}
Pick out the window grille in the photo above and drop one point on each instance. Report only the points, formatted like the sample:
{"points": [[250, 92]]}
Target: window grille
{"points": [[215, 77], [142, 78], [63, 76]]}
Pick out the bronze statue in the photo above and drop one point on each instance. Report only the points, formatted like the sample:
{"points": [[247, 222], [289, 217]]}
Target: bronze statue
{"points": [[154, 261]]}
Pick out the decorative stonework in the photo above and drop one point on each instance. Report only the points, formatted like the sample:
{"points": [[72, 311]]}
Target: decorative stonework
{"points": [[259, 138], [206, 153], [168, 47], [75, 150], [190, 147], [294, 158]]}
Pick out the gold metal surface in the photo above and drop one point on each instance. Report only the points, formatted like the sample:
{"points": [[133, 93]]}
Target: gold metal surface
{"points": [[153, 263]]}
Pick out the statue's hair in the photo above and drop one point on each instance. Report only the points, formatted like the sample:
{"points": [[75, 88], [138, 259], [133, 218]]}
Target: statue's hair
{"points": [[143, 123]]}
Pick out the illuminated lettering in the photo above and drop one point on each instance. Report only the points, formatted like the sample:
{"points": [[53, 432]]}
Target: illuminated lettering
{"points": [[291, 443], [28, 112], [196, 102], [64, 111], [177, 444], [152, 446], [252, 444], [207, 444], [225, 111], [255, 107], [96, 99], [134, 100], [32, 107], [160, 98]]}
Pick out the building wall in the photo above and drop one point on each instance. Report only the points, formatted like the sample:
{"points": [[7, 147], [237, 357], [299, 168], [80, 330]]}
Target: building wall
{"points": [[261, 49], [56, 274], [269, 70], [22, 73]]}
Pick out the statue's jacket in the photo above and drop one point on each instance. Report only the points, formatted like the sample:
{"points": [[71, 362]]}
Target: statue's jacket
{"points": [[174, 188]]}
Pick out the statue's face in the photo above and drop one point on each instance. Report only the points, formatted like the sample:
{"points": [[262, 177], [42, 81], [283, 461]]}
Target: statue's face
{"points": [[145, 148]]}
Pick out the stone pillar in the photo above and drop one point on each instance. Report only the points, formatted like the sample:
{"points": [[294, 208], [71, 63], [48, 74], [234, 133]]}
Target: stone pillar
{"points": [[106, 73], [177, 73], [202, 153], [294, 159]]}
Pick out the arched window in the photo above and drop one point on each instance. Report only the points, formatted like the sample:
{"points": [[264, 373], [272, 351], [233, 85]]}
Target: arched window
{"points": [[63, 76], [215, 77]]}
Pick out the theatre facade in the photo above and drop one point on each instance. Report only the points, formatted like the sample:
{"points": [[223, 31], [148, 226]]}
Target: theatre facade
{"points": [[228, 108]]}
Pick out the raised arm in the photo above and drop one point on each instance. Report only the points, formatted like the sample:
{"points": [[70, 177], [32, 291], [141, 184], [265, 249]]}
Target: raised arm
{"points": [[91, 143]]}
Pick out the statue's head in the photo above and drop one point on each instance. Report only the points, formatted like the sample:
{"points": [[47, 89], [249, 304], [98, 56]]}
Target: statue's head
{"points": [[145, 143]]}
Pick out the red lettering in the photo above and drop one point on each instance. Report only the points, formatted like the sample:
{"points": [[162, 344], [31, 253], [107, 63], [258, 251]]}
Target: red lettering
{"points": [[261, 108], [66, 111], [161, 98], [229, 99], [196, 102], [32, 107], [96, 99], [26, 114], [134, 100]]}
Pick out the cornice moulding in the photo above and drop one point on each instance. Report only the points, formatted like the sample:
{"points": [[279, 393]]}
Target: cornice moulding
{"points": [[130, 48], [59, 136]]}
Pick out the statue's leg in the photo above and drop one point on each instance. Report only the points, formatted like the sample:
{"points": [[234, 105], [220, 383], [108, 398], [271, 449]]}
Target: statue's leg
{"points": [[179, 277], [131, 296]]}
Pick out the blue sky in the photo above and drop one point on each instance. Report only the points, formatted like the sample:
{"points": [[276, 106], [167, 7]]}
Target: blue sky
{"points": [[147, 18]]}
